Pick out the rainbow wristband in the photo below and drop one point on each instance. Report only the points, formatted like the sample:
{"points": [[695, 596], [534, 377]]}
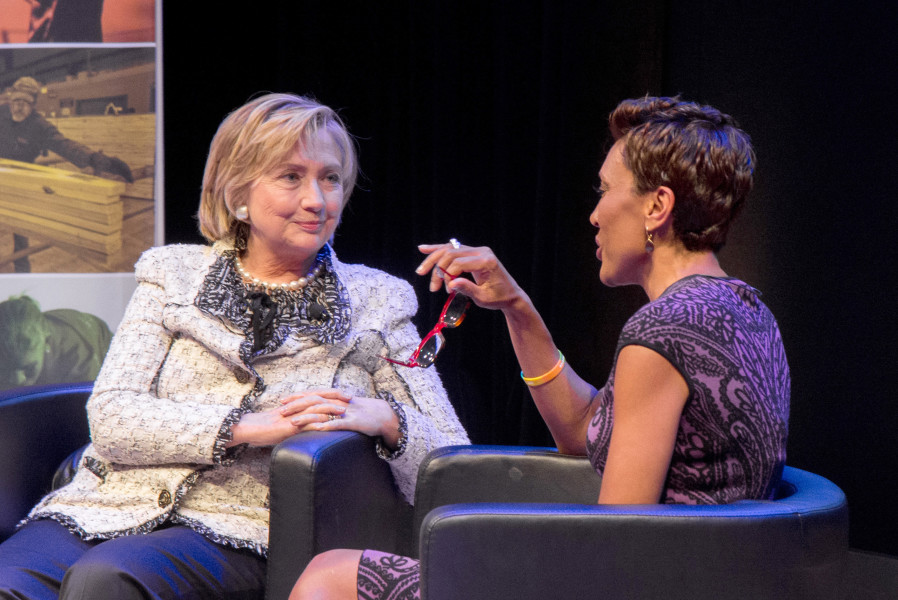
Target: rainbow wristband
{"points": [[546, 377]]}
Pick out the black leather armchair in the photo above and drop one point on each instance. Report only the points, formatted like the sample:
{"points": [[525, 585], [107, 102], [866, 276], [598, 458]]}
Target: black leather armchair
{"points": [[328, 490], [501, 523]]}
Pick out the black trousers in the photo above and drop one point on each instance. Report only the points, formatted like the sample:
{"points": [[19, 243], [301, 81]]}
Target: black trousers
{"points": [[44, 560]]}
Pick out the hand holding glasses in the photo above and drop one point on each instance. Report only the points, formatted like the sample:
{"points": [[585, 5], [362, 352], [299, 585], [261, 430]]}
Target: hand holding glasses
{"points": [[452, 315]]}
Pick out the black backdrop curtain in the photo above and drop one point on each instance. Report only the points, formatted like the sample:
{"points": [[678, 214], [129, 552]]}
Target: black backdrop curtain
{"points": [[487, 122]]}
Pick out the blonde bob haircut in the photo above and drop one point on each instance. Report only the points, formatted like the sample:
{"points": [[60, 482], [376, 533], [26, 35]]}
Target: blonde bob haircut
{"points": [[254, 139]]}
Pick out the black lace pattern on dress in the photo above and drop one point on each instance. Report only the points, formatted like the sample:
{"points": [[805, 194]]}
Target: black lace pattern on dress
{"points": [[726, 344], [384, 576]]}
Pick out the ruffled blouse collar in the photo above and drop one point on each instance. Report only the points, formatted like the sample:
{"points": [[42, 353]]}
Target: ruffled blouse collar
{"points": [[321, 310]]}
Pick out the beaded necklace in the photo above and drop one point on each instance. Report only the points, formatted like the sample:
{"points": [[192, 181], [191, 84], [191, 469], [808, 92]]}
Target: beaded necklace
{"points": [[291, 286]]}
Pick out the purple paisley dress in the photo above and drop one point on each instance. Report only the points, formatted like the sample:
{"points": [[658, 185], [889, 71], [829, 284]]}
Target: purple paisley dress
{"points": [[731, 443], [385, 576]]}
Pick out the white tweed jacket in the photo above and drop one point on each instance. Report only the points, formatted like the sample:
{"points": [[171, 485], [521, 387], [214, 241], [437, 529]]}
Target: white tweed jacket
{"points": [[174, 381]]}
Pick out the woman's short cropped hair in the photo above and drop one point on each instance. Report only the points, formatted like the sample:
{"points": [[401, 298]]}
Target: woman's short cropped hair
{"points": [[698, 152], [254, 139]]}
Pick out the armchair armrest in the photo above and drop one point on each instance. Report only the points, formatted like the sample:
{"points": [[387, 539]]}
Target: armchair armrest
{"points": [[461, 474], [330, 490], [39, 427], [790, 548]]}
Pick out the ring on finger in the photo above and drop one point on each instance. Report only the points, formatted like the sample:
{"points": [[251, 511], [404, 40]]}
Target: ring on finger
{"points": [[455, 243], [332, 417]]}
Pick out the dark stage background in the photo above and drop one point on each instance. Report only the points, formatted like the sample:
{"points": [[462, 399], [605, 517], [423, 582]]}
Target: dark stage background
{"points": [[486, 121]]}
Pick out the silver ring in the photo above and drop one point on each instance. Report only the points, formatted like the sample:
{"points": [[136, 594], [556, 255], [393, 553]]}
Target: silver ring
{"points": [[332, 417], [455, 243]]}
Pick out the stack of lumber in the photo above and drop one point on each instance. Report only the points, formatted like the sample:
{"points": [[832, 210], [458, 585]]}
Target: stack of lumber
{"points": [[131, 138], [70, 210]]}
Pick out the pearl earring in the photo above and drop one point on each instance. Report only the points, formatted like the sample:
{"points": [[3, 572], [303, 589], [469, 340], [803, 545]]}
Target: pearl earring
{"points": [[649, 241], [242, 213]]}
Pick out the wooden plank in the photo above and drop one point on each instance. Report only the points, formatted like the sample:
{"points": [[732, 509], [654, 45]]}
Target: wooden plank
{"points": [[42, 181], [131, 138], [62, 234], [21, 223], [63, 208], [99, 262], [32, 249], [97, 217], [137, 235], [51, 203], [142, 188]]}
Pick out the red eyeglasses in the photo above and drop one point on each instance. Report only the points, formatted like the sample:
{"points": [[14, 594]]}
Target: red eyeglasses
{"points": [[452, 315]]}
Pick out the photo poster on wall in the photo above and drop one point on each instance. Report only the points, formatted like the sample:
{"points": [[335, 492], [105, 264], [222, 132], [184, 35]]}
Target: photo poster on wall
{"points": [[80, 178]]}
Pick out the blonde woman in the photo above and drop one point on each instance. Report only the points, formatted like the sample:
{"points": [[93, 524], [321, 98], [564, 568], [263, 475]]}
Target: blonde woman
{"points": [[224, 351]]}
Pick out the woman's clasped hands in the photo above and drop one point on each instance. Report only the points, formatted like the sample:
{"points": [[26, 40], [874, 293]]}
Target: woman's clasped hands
{"points": [[318, 410], [332, 409]]}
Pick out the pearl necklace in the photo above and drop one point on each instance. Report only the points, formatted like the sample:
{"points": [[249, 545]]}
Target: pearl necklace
{"points": [[292, 286]]}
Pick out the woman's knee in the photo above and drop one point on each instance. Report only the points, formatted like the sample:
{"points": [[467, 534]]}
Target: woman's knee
{"points": [[98, 575], [116, 568], [331, 575], [34, 560], [174, 562]]}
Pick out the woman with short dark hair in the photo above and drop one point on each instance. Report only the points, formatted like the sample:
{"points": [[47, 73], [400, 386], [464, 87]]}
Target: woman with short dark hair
{"points": [[696, 408]]}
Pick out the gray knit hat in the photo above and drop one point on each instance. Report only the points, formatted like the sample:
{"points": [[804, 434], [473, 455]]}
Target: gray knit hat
{"points": [[26, 88]]}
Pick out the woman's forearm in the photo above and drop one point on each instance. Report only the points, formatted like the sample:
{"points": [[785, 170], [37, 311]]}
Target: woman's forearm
{"points": [[564, 402]]}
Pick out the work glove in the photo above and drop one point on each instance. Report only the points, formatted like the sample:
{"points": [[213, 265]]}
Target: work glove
{"points": [[110, 164]]}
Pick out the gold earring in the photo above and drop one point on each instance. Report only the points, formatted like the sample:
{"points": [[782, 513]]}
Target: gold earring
{"points": [[649, 241], [242, 213]]}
